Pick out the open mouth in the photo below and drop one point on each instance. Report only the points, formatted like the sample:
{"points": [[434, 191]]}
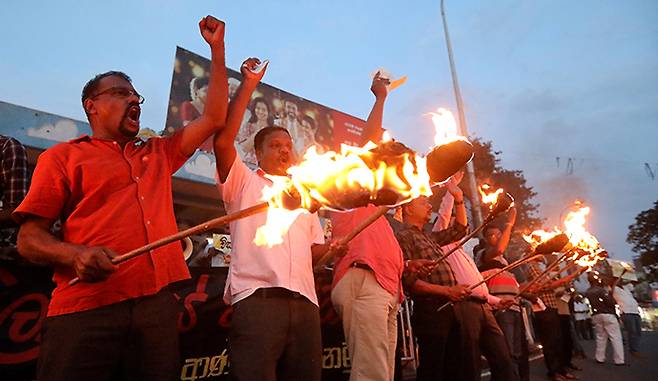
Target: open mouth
{"points": [[133, 114]]}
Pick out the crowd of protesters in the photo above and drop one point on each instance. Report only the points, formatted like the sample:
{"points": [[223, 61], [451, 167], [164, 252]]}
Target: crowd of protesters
{"points": [[120, 322]]}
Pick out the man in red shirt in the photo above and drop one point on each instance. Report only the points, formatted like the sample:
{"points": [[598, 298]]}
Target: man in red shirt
{"points": [[112, 193]]}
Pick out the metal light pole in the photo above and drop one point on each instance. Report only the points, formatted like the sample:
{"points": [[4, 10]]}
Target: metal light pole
{"points": [[470, 172]]}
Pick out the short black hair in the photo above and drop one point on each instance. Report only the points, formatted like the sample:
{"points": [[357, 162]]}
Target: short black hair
{"points": [[92, 85], [259, 139]]}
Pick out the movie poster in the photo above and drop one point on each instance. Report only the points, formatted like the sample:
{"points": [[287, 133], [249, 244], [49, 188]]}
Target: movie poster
{"points": [[309, 123]]}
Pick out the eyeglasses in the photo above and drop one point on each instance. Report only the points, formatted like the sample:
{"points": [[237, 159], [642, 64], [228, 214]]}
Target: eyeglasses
{"points": [[120, 92]]}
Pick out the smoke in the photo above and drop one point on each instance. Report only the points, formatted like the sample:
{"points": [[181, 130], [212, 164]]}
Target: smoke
{"points": [[558, 193]]}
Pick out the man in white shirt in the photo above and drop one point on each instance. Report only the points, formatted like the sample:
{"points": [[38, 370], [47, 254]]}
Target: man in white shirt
{"points": [[275, 329], [480, 333], [630, 316]]}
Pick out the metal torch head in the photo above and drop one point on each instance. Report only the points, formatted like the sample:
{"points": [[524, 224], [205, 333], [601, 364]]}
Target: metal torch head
{"points": [[503, 203], [553, 245], [447, 159]]}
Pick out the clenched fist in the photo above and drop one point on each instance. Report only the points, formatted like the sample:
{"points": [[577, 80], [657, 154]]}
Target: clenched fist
{"points": [[212, 31], [94, 264]]}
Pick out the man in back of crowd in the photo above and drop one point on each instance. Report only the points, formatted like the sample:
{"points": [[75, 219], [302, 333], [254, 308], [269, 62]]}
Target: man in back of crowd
{"points": [[606, 326], [14, 183], [630, 315]]}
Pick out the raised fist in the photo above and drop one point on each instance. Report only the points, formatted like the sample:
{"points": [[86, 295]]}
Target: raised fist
{"points": [[379, 86], [212, 31]]}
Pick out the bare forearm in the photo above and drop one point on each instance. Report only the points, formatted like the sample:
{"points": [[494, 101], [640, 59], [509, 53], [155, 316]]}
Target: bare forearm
{"points": [[236, 110], [460, 212], [373, 130], [503, 242], [39, 246], [216, 107], [224, 140]]}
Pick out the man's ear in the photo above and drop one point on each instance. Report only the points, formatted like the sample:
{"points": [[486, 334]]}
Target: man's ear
{"points": [[89, 106]]}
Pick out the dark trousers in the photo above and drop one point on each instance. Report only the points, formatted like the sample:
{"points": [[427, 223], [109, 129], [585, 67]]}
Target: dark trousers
{"points": [[583, 329], [132, 340], [439, 359], [547, 323], [633, 327], [567, 340], [275, 335], [480, 334], [511, 323]]}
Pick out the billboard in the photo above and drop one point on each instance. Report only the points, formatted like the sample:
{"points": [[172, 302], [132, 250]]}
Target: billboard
{"points": [[309, 123]]}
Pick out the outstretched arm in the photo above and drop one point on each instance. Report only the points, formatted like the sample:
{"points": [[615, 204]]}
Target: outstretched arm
{"points": [[225, 138], [214, 112], [373, 130]]}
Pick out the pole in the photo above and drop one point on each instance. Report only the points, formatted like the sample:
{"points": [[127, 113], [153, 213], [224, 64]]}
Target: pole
{"points": [[476, 212]]}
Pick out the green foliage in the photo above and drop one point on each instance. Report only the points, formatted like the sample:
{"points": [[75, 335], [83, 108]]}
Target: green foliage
{"points": [[643, 235]]}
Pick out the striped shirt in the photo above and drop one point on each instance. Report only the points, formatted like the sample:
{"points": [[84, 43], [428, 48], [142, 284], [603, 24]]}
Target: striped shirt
{"points": [[417, 244]]}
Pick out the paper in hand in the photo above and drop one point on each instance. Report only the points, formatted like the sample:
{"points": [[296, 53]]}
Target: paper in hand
{"points": [[385, 74]]}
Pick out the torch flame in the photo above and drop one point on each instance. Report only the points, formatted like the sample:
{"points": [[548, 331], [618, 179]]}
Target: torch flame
{"points": [[279, 218], [386, 136], [445, 127], [489, 198], [386, 174], [587, 249], [323, 178]]}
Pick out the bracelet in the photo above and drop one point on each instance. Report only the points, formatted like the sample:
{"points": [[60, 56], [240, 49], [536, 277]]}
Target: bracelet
{"points": [[459, 202], [406, 264]]}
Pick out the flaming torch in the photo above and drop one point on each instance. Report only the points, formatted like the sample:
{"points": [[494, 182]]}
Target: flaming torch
{"points": [[553, 244], [387, 175], [500, 204], [583, 248]]}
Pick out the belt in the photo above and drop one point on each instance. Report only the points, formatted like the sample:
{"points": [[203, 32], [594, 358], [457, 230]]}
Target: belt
{"points": [[276, 292], [360, 265]]}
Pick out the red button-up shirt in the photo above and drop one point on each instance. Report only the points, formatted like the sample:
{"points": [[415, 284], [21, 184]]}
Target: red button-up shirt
{"points": [[375, 246], [120, 198]]}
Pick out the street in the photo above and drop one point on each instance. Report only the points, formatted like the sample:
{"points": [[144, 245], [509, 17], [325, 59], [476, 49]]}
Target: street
{"points": [[638, 369]]}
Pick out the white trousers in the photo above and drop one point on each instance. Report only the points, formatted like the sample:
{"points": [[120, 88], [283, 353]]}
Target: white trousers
{"points": [[370, 324], [606, 326]]}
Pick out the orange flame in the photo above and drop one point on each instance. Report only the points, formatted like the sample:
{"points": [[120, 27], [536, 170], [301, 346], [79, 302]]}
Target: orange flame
{"points": [[540, 236], [279, 219], [445, 127], [386, 136], [322, 178], [579, 237], [489, 198]]}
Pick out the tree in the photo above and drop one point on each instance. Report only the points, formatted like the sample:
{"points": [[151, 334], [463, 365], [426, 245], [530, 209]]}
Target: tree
{"points": [[488, 170], [643, 235]]}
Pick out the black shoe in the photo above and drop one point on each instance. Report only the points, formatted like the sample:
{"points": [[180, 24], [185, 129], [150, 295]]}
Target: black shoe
{"points": [[600, 362], [574, 367]]}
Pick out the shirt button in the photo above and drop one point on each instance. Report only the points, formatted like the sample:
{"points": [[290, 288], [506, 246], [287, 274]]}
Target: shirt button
{"points": [[141, 197], [148, 222], [136, 178]]}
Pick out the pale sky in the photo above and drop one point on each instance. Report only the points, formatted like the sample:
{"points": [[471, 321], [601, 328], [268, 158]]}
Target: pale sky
{"points": [[541, 79]]}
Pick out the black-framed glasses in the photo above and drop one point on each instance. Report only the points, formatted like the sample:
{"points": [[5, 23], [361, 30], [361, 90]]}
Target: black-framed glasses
{"points": [[120, 92]]}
